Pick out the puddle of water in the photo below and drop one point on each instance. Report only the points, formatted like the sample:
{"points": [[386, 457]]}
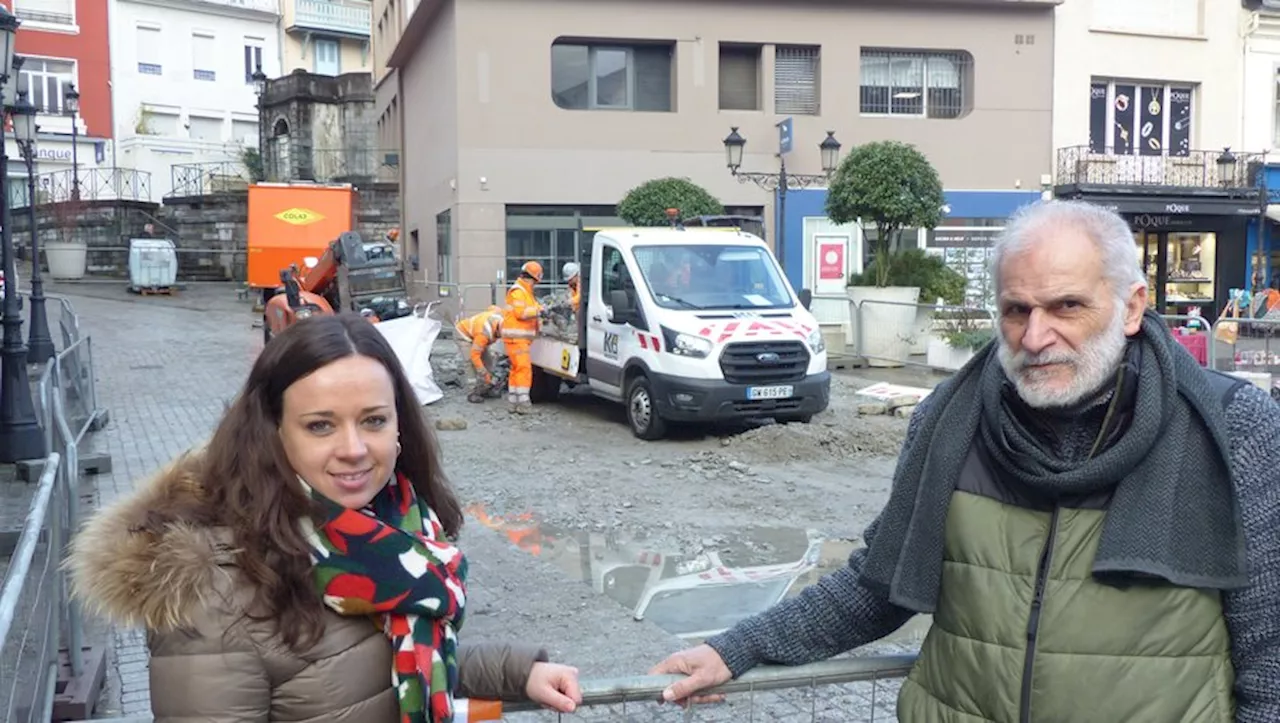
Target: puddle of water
{"points": [[692, 588]]}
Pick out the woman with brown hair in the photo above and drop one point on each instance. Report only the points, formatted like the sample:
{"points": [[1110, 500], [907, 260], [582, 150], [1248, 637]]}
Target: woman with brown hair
{"points": [[301, 566]]}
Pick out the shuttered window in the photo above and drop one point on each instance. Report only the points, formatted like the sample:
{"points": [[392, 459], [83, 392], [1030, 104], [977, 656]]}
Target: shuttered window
{"points": [[739, 77], [203, 62], [58, 12], [148, 49], [795, 79]]}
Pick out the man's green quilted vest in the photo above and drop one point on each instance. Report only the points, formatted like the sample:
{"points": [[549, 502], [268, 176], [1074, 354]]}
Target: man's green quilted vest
{"points": [[1101, 654]]}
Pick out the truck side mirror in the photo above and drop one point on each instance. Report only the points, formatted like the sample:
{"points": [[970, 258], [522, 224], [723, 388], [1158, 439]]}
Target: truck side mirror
{"points": [[621, 311], [806, 298]]}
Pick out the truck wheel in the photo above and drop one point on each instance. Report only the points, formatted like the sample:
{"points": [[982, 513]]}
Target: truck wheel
{"points": [[642, 413], [545, 388], [794, 419]]}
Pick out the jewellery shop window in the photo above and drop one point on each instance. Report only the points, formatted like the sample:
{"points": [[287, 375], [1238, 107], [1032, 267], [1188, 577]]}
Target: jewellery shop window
{"points": [[1191, 266]]}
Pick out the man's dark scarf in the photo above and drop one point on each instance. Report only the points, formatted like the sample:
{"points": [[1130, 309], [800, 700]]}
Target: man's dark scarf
{"points": [[1173, 512]]}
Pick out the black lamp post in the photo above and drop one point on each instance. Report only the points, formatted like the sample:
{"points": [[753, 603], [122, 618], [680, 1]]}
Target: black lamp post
{"points": [[21, 437], [71, 106], [1226, 167], [779, 183], [260, 88], [40, 343]]}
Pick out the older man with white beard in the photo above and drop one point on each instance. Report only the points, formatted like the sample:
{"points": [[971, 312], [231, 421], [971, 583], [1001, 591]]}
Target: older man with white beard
{"points": [[1092, 519]]}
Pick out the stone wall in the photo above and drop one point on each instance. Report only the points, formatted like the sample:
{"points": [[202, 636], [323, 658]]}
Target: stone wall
{"points": [[210, 232]]}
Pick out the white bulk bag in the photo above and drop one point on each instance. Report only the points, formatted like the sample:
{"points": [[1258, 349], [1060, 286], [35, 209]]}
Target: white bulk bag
{"points": [[412, 338]]}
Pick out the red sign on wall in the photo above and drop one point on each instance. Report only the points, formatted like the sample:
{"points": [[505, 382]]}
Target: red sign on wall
{"points": [[831, 261]]}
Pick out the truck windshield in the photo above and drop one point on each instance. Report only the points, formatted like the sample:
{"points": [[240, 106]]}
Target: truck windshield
{"points": [[701, 276]]}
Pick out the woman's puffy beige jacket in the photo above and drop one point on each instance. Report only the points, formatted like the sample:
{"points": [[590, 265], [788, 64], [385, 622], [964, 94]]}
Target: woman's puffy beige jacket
{"points": [[211, 663]]}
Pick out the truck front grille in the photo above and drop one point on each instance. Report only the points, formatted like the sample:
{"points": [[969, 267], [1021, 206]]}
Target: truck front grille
{"points": [[741, 362]]}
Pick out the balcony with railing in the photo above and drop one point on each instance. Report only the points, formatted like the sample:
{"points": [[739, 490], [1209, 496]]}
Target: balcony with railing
{"points": [[1220, 172], [352, 18]]}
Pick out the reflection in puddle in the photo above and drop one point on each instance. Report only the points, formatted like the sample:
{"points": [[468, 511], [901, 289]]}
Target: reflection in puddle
{"points": [[691, 589]]}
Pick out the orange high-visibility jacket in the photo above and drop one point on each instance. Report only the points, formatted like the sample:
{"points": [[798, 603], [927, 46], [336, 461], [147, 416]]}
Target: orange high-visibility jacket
{"points": [[520, 318], [575, 297], [482, 328]]}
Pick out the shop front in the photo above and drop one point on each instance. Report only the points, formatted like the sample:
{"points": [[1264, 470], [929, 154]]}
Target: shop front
{"points": [[1193, 251]]}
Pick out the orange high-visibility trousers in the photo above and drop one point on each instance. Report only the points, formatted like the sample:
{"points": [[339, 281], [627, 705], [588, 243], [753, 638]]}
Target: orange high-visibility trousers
{"points": [[521, 378]]}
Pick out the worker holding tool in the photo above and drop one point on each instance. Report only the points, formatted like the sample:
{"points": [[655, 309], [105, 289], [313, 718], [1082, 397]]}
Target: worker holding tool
{"points": [[475, 336], [519, 327]]}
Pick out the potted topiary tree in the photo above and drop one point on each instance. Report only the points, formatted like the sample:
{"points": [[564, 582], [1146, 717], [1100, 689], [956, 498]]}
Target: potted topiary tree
{"points": [[647, 204], [885, 186]]}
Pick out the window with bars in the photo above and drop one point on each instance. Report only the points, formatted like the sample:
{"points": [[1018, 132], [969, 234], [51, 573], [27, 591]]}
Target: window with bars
{"points": [[739, 77], [606, 76], [924, 84], [46, 81], [796, 79]]}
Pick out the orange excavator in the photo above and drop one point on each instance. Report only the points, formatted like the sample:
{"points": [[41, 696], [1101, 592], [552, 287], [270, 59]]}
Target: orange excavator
{"points": [[352, 275]]}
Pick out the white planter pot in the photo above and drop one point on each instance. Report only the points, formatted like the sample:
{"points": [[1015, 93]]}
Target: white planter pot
{"points": [[884, 321], [941, 355], [923, 330], [67, 259]]}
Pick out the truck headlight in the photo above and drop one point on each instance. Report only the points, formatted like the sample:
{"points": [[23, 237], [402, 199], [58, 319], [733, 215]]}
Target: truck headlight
{"points": [[816, 343], [694, 347]]}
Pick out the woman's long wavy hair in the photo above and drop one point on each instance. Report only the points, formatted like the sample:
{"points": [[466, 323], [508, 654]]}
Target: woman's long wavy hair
{"points": [[253, 490]]}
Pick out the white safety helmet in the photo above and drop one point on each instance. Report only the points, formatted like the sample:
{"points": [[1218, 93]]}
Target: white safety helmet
{"points": [[570, 271]]}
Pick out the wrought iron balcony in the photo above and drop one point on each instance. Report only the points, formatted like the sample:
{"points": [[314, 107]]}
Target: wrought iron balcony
{"points": [[1221, 170], [342, 17]]}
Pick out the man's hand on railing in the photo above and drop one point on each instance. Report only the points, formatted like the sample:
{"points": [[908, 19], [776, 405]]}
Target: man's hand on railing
{"points": [[705, 668], [554, 686]]}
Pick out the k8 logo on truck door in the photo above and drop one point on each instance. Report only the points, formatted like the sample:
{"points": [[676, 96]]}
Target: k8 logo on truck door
{"points": [[611, 345]]}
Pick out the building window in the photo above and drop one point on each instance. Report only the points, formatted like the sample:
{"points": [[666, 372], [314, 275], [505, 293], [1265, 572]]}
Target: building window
{"points": [[920, 84], [57, 12], [328, 57], [444, 247], [1275, 130], [252, 59], [612, 77], [1135, 118], [1154, 17], [202, 57], [739, 77], [149, 48], [795, 79], [46, 82]]}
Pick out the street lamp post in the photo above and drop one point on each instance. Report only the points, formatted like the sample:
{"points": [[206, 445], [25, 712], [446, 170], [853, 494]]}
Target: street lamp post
{"points": [[260, 87], [21, 437], [40, 342], [71, 106], [782, 181]]}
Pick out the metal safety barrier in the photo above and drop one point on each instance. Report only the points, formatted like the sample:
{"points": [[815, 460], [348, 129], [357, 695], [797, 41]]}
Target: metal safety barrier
{"points": [[1249, 348], [34, 606], [461, 300]]}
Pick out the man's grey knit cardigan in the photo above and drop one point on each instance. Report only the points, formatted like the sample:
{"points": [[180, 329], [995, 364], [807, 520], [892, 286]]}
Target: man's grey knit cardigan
{"points": [[838, 614]]}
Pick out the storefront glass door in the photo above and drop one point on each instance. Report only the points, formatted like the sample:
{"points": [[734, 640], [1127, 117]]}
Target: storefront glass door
{"points": [[1180, 268]]}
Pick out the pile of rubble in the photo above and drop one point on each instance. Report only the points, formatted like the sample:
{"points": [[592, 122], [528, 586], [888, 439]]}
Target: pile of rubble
{"points": [[900, 406]]}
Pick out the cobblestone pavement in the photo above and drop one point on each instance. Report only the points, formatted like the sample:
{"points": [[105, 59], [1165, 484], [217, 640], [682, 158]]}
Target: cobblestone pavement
{"points": [[167, 365]]}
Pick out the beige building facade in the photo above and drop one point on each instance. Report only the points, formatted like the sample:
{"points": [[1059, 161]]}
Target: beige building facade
{"points": [[523, 123], [326, 37]]}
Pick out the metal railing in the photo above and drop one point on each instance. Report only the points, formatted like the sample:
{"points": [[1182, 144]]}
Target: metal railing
{"points": [[886, 333], [341, 164], [203, 179], [96, 184], [34, 606], [457, 300], [352, 17], [1084, 165]]}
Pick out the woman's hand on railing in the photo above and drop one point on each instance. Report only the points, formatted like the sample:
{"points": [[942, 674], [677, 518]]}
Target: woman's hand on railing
{"points": [[554, 686], [705, 668]]}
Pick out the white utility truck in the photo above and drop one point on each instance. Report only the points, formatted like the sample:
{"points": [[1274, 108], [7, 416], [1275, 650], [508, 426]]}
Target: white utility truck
{"points": [[688, 325]]}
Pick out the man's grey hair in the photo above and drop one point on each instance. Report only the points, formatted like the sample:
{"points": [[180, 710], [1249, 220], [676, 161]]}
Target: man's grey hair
{"points": [[1106, 228]]}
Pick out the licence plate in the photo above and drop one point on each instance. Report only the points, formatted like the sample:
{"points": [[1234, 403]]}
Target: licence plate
{"points": [[756, 393]]}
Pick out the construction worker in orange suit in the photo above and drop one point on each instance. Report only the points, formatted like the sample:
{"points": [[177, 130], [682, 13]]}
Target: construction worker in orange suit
{"points": [[475, 334], [519, 327]]}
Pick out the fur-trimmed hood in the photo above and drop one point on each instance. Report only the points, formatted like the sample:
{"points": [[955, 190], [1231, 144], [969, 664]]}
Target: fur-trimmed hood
{"points": [[142, 562]]}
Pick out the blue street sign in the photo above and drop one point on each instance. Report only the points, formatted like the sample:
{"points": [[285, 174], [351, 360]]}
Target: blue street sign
{"points": [[784, 136]]}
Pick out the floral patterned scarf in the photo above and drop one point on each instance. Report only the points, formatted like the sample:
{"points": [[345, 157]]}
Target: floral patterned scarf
{"points": [[391, 561]]}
